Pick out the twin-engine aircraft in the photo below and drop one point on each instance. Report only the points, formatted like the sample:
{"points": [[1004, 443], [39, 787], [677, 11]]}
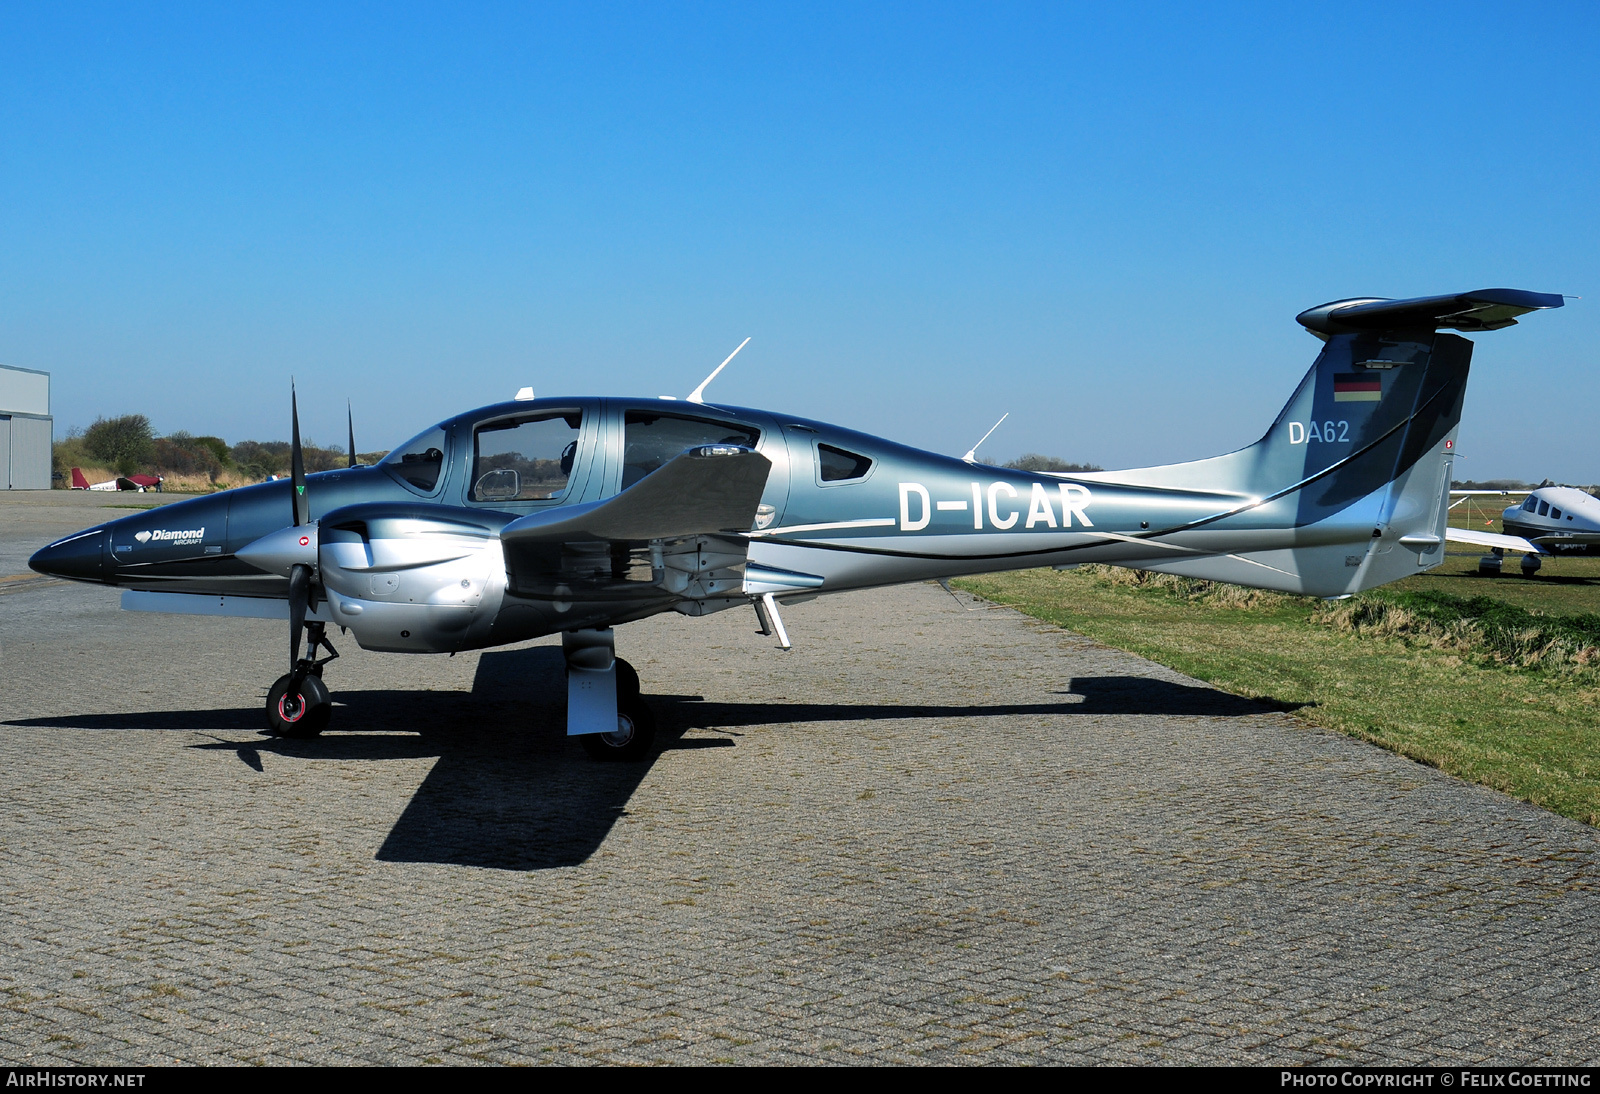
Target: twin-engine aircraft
{"points": [[576, 515]]}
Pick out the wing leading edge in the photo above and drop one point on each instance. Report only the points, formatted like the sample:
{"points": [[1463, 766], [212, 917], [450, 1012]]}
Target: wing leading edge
{"points": [[1490, 539]]}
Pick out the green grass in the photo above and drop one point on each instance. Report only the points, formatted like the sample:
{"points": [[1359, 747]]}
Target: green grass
{"points": [[1438, 678], [1562, 585]]}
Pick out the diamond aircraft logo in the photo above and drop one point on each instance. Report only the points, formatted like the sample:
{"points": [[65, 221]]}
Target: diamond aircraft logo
{"points": [[181, 537]]}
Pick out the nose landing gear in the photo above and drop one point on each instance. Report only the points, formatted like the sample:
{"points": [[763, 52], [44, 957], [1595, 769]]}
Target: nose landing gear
{"points": [[299, 705]]}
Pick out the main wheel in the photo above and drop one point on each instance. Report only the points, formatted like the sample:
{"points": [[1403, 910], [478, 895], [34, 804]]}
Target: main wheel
{"points": [[302, 713], [636, 729], [627, 680]]}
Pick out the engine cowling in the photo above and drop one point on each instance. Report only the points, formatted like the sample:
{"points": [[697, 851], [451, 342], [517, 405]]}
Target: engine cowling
{"points": [[412, 579]]}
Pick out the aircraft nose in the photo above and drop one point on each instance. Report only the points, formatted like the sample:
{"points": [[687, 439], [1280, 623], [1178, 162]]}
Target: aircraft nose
{"points": [[80, 557]]}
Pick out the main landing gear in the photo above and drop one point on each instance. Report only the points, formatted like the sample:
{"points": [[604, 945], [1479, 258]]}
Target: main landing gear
{"points": [[299, 704], [604, 708], [636, 726]]}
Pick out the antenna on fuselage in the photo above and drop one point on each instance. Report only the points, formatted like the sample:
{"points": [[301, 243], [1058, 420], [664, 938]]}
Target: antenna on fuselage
{"points": [[972, 453], [697, 395]]}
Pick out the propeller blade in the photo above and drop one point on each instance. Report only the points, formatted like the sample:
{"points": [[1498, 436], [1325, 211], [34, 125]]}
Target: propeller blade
{"points": [[299, 597], [297, 470], [350, 419]]}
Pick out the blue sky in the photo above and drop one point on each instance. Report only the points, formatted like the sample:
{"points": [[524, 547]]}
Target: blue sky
{"points": [[1100, 218]]}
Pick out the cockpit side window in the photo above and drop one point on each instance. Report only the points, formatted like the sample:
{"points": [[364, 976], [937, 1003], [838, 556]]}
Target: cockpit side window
{"points": [[1531, 504], [418, 462], [525, 458], [650, 440], [1544, 508], [837, 465]]}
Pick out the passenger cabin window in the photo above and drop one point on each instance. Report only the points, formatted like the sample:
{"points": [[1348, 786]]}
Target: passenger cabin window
{"points": [[526, 458], [651, 440], [418, 462], [837, 465], [1544, 508], [1555, 514]]}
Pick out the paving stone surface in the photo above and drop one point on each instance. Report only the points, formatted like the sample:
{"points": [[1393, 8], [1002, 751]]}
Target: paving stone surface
{"points": [[927, 834]]}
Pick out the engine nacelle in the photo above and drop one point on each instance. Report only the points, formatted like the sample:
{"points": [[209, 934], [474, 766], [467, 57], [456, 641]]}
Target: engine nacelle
{"points": [[412, 579]]}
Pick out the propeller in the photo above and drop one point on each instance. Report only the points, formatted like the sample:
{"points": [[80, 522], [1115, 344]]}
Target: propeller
{"points": [[299, 598], [349, 418], [297, 463], [300, 574]]}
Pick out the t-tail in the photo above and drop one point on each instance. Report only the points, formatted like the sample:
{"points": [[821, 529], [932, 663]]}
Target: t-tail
{"points": [[1358, 464]]}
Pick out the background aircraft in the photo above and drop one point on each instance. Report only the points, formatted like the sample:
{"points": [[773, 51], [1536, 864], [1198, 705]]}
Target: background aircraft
{"points": [[140, 483], [576, 515], [1550, 520]]}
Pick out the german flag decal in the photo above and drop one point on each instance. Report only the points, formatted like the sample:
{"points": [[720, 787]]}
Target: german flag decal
{"points": [[1357, 387]]}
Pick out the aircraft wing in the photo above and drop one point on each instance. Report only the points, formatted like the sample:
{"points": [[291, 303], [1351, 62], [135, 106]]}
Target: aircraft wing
{"points": [[1490, 539], [710, 490]]}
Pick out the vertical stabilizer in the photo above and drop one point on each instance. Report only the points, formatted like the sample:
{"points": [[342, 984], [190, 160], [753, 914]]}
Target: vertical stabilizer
{"points": [[1358, 463]]}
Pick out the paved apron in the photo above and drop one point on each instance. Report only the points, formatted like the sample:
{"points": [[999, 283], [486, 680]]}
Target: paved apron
{"points": [[926, 834]]}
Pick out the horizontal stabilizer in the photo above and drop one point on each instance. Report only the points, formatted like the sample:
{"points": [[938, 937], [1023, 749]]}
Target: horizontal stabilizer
{"points": [[1491, 540], [1486, 309], [711, 489]]}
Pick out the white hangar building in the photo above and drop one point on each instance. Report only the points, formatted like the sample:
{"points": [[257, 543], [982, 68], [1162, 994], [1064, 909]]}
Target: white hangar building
{"points": [[26, 429]]}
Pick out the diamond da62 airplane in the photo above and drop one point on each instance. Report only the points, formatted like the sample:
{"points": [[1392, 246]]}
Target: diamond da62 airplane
{"points": [[577, 515]]}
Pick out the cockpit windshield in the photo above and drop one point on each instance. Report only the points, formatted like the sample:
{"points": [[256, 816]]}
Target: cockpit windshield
{"points": [[418, 462]]}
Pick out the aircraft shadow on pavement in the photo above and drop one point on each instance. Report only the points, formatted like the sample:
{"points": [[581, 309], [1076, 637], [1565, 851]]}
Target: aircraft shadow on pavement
{"points": [[511, 791], [1087, 695]]}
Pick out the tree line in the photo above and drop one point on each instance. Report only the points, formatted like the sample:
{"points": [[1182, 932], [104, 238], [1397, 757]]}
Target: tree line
{"points": [[128, 445]]}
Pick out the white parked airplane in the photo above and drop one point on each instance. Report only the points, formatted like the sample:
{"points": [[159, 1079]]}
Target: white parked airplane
{"points": [[1550, 520], [140, 483]]}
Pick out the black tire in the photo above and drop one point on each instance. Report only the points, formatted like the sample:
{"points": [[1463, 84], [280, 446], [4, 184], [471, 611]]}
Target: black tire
{"points": [[305, 714], [627, 681], [636, 732]]}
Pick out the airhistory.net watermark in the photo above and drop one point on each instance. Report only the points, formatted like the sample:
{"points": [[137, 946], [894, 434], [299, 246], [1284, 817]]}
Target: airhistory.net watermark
{"points": [[52, 1078]]}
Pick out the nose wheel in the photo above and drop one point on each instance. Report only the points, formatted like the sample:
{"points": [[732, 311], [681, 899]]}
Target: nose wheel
{"points": [[299, 704]]}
